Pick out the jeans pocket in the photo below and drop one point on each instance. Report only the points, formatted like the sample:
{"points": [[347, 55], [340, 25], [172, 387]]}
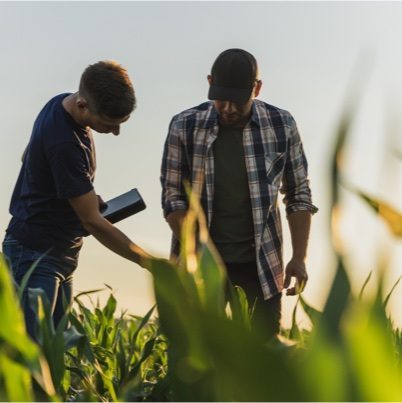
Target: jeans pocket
{"points": [[10, 240], [12, 251]]}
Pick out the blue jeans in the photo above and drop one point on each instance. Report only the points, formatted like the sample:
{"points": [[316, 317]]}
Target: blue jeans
{"points": [[51, 274]]}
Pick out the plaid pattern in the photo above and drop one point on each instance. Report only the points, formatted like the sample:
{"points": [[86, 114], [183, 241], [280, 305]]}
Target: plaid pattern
{"points": [[275, 163]]}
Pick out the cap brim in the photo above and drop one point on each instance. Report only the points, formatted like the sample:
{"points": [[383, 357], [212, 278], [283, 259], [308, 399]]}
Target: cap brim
{"points": [[238, 95]]}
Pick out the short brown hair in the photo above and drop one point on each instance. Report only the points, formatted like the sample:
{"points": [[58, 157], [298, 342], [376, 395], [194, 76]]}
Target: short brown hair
{"points": [[108, 90]]}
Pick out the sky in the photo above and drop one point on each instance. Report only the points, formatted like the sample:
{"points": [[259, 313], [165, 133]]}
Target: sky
{"points": [[312, 56]]}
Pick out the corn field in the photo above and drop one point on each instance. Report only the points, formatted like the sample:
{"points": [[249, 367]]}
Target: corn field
{"points": [[199, 349]]}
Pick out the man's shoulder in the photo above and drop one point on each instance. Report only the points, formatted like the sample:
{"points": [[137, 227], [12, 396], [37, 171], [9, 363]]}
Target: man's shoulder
{"points": [[53, 125], [273, 112], [199, 113], [53, 104]]}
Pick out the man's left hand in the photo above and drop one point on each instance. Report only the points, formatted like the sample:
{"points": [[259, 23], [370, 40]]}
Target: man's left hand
{"points": [[295, 268]]}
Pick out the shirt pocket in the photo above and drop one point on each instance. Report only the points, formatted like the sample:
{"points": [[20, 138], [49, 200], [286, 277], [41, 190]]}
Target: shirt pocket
{"points": [[274, 165]]}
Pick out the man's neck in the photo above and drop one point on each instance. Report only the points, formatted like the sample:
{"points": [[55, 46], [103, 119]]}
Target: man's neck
{"points": [[70, 105]]}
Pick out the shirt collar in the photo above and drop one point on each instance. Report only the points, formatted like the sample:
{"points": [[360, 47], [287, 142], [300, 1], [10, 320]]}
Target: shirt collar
{"points": [[212, 119], [255, 119]]}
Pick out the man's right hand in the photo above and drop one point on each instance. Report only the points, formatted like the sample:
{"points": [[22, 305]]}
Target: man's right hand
{"points": [[87, 209]]}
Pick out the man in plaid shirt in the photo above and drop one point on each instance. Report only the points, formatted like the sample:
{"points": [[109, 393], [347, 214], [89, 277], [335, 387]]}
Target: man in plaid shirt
{"points": [[240, 152]]}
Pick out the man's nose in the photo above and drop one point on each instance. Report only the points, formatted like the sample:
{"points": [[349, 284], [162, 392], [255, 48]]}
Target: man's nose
{"points": [[116, 131], [229, 107]]}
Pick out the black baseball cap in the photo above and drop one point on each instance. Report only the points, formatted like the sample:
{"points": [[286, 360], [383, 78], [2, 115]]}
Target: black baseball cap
{"points": [[233, 73]]}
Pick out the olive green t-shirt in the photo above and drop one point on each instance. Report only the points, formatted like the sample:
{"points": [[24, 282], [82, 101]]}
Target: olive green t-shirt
{"points": [[231, 227]]}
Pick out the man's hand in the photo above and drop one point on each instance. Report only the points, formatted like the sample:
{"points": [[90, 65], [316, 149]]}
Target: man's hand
{"points": [[175, 221], [87, 209], [101, 203], [295, 268]]}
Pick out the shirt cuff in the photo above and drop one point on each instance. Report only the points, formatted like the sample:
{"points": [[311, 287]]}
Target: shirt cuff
{"points": [[301, 207], [172, 206]]}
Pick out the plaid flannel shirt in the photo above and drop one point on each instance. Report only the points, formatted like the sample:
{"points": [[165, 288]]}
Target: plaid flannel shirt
{"points": [[275, 162]]}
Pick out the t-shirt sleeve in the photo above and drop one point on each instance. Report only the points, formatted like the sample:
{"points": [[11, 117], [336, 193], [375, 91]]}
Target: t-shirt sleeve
{"points": [[70, 170]]}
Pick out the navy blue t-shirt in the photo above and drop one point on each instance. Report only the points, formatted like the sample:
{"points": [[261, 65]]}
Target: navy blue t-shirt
{"points": [[59, 164]]}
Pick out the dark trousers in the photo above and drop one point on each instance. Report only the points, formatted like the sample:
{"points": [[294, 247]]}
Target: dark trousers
{"points": [[267, 313], [51, 274]]}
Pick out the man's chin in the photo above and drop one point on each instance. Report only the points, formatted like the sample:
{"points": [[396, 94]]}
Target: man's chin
{"points": [[229, 120], [232, 122]]}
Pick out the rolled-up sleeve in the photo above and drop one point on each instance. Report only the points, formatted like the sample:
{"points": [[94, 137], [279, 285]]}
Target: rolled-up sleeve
{"points": [[295, 182], [174, 170]]}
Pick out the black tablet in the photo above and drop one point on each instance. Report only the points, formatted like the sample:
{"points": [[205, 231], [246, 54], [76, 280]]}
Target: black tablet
{"points": [[123, 206]]}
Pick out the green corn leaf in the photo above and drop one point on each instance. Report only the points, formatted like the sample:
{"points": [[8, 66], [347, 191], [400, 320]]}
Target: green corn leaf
{"points": [[122, 362], [236, 305], [313, 314], [17, 382], [110, 308], [323, 370], [246, 310], [57, 349], [141, 325], [80, 294], [239, 354], [13, 337], [212, 284], [83, 347], [107, 381], [12, 328], [294, 332], [27, 276], [90, 320], [372, 358], [389, 214], [72, 337], [336, 304], [391, 292], [364, 285], [146, 352], [40, 304]]}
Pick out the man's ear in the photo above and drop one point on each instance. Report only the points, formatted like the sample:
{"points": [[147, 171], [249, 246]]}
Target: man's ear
{"points": [[209, 78], [257, 88], [81, 103]]}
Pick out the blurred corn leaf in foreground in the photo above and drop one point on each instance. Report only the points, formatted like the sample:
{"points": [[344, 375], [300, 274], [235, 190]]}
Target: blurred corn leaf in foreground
{"points": [[391, 216], [213, 356], [20, 358], [350, 330]]}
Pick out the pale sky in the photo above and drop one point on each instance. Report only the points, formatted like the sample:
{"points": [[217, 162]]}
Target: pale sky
{"points": [[309, 55]]}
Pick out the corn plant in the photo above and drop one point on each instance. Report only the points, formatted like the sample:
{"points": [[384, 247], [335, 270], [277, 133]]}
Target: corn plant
{"points": [[120, 358]]}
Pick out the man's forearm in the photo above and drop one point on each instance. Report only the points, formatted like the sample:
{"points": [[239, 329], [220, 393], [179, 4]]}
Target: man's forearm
{"points": [[299, 225], [86, 207], [111, 237]]}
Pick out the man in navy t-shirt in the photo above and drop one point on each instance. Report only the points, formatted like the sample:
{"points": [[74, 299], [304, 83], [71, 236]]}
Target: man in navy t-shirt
{"points": [[54, 202]]}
